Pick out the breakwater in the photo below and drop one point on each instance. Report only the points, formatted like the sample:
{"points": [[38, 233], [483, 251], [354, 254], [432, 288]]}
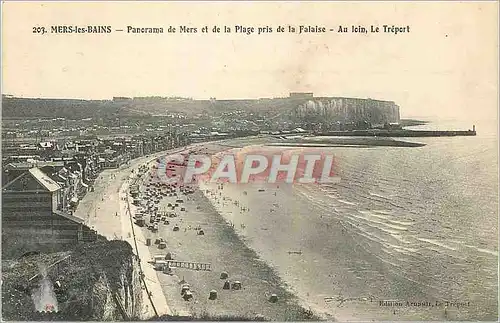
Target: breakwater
{"points": [[398, 133]]}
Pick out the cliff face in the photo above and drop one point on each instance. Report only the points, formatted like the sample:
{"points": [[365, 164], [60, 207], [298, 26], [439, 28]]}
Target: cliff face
{"points": [[113, 300], [104, 281], [348, 110], [101, 282]]}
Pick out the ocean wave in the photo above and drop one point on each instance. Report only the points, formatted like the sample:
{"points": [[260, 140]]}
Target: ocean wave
{"points": [[400, 239], [399, 225], [372, 224], [486, 251], [437, 243], [347, 202], [381, 196]]}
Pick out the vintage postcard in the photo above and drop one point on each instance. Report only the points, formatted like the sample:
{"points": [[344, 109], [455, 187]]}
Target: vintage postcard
{"points": [[250, 161]]}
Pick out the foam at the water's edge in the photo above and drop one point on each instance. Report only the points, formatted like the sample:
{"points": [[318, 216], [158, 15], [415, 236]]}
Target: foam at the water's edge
{"points": [[288, 285]]}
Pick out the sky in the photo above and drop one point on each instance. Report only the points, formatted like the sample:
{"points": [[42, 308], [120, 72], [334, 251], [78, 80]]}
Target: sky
{"points": [[446, 66]]}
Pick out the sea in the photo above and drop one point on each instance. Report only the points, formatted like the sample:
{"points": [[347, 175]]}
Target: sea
{"points": [[407, 234]]}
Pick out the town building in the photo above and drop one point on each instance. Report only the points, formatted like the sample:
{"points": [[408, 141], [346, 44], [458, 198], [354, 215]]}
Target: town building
{"points": [[33, 215]]}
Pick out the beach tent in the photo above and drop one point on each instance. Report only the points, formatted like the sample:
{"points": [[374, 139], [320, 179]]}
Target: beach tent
{"points": [[236, 285], [212, 295], [187, 296], [184, 289], [227, 285]]}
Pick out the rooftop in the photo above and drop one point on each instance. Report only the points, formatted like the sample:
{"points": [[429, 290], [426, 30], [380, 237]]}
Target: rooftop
{"points": [[44, 180]]}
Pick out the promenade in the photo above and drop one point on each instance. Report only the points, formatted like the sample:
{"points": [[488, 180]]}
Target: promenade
{"points": [[106, 211]]}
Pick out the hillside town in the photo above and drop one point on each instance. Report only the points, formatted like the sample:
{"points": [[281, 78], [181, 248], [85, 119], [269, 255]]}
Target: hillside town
{"points": [[58, 154]]}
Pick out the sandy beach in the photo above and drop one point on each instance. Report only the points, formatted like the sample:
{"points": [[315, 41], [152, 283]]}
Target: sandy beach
{"points": [[226, 252]]}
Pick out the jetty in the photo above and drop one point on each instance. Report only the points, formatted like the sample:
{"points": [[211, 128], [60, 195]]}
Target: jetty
{"points": [[398, 133]]}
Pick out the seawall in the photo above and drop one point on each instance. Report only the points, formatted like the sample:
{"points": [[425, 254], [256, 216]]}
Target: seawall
{"points": [[398, 133]]}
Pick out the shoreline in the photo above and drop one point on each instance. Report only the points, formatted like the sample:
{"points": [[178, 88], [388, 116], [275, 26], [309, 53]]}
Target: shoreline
{"points": [[286, 283], [346, 144], [226, 251]]}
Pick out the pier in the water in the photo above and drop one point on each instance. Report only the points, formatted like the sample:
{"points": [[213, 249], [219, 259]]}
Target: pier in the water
{"points": [[399, 133]]}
